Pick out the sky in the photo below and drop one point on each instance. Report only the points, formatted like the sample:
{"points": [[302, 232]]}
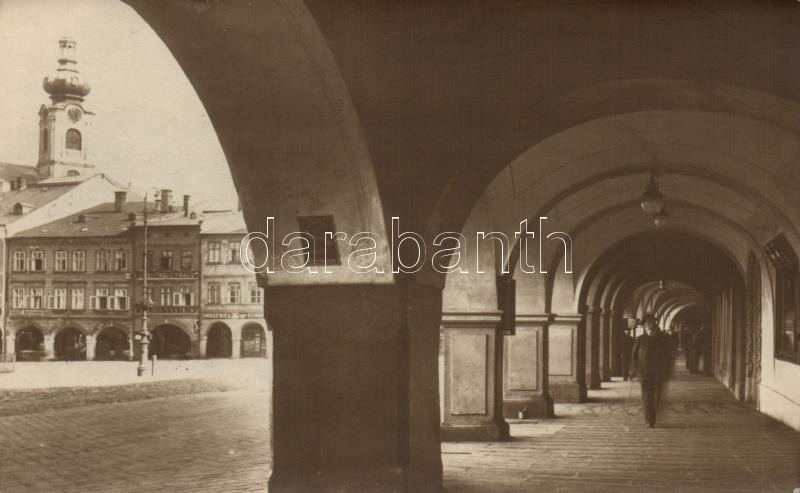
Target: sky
{"points": [[150, 128]]}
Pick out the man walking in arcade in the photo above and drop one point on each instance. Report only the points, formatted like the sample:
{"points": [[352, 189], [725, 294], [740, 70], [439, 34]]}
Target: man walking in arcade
{"points": [[651, 360]]}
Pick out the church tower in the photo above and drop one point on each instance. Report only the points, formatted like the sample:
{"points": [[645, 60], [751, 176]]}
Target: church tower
{"points": [[65, 125]]}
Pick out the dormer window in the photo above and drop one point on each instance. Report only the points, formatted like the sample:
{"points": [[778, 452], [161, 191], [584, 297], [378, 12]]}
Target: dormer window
{"points": [[22, 208], [73, 139]]}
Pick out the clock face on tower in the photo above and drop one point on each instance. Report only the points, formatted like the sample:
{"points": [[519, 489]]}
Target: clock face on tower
{"points": [[74, 114]]}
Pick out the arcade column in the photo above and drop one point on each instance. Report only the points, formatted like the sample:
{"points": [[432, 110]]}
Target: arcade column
{"points": [[525, 374], [605, 345], [236, 347], [566, 382], [355, 397], [473, 377], [11, 343], [618, 325], [593, 344], [203, 346], [91, 344], [49, 346]]}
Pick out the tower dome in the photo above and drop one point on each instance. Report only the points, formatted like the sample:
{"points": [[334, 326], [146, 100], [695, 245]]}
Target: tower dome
{"points": [[66, 83]]}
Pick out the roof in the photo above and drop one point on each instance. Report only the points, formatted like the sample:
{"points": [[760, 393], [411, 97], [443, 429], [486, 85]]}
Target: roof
{"points": [[63, 180], [35, 195], [102, 220], [11, 170], [223, 222]]}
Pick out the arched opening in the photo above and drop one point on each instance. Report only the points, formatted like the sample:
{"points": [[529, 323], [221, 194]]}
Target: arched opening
{"points": [[219, 341], [74, 140], [254, 342], [70, 344], [72, 172], [30, 344], [112, 345], [170, 342]]}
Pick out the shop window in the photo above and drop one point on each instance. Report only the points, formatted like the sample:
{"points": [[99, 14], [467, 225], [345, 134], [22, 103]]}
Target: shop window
{"points": [[787, 331]]}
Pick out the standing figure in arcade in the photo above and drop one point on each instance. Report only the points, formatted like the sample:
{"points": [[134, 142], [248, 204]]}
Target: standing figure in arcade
{"points": [[626, 348], [651, 360]]}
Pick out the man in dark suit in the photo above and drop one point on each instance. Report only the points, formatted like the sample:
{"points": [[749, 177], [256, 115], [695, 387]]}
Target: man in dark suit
{"points": [[652, 361], [626, 348]]}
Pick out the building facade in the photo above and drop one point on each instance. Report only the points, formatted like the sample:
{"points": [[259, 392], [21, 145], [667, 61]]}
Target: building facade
{"points": [[63, 182], [79, 285], [231, 315]]}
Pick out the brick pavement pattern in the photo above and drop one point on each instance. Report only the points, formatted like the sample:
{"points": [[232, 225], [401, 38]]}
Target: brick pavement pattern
{"points": [[200, 442], [212, 441], [704, 441]]}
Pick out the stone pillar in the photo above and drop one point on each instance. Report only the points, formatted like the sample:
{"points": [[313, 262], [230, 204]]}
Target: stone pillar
{"points": [[525, 374], [566, 382], [592, 322], [91, 344], [355, 400], [617, 329], [49, 346], [236, 347], [605, 345], [473, 377], [203, 346]]}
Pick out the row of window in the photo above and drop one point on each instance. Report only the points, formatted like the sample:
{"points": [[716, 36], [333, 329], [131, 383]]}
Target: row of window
{"points": [[108, 261], [166, 261], [57, 298], [223, 252], [117, 298], [233, 293], [105, 261]]}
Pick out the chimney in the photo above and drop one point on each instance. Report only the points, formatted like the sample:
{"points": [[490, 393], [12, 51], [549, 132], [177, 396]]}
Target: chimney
{"points": [[186, 205], [166, 195], [119, 200]]}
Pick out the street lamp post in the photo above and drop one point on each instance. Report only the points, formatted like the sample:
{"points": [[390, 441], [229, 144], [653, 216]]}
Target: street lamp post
{"points": [[144, 334]]}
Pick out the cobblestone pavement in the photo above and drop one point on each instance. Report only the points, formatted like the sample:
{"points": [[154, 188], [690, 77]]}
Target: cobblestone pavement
{"points": [[198, 438], [704, 441], [177, 436]]}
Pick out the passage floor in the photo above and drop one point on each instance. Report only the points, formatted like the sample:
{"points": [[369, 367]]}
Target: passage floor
{"points": [[704, 441]]}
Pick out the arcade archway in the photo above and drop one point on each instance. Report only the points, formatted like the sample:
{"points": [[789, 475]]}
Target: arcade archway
{"points": [[112, 344], [29, 344], [254, 341], [170, 342], [219, 341], [70, 344]]}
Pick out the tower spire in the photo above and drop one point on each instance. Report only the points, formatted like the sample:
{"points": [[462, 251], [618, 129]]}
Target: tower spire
{"points": [[66, 83], [65, 125]]}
